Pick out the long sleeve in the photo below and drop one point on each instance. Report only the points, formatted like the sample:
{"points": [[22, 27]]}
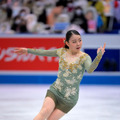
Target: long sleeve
{"points": [[40, 52], [91, 66]]}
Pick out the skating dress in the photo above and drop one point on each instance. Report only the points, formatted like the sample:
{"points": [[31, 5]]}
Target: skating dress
{"points": [[66, 86]]}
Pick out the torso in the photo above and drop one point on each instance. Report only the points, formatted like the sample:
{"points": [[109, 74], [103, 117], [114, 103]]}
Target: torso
{"points": [[69, 76]]}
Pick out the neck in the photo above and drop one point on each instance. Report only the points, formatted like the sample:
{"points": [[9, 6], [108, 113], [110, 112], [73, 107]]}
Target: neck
{"points": [[73, 53]]}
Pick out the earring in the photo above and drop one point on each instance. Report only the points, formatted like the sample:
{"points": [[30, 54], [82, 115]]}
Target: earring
{"points": [[64, 41]]}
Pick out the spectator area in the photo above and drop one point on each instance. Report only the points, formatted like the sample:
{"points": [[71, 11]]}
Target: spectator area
{"points": [[58, 16]]}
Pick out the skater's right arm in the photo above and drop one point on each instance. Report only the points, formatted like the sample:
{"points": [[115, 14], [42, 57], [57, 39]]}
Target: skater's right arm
{"points": [[52, 53]]}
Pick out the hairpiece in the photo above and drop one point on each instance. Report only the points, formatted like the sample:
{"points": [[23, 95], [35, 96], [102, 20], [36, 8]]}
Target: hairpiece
{"points": [[64, 41]]}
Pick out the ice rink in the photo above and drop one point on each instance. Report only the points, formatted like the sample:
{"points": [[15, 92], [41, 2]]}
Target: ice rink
{"points": [[23, 102]]}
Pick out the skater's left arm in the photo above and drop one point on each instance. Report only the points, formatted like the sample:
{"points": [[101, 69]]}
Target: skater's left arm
{"points": [[91, 66]]}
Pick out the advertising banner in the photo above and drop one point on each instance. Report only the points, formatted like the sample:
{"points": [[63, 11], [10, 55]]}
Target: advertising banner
{"points": [[11, 61]]}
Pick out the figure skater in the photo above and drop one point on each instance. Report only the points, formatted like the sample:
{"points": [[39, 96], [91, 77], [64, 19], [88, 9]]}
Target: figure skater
{"points": [[63, 94]]}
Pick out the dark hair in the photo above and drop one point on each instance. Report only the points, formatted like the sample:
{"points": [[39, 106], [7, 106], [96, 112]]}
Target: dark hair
{"points": [[68, 36]]}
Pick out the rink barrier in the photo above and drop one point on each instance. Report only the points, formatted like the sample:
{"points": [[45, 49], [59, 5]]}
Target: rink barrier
{"points": [[96, 78]]}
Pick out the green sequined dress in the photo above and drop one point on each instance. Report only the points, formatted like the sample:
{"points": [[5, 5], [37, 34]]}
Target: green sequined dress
{"points": [[66, 86]]}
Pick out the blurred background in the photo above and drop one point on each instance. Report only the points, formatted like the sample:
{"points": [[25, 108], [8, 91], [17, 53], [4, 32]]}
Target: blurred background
{"points": [[57, 16], [42, 24]]}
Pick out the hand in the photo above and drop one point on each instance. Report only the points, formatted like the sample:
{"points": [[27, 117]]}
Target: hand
{"points": [[102, 49], [20, 51]]}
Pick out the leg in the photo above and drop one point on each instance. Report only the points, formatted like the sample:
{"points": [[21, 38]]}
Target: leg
{"points": [[56, 115], [47, 109]]}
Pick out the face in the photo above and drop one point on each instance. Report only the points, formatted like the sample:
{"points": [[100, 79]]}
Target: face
{"points": [[75, 43]]}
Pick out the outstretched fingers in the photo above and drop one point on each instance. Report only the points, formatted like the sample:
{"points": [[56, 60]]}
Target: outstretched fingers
{"points": [[104, 46], [20, 51], [17, 50]]}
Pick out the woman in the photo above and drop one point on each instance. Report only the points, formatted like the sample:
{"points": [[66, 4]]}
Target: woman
{"points": [[63, 93]]}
